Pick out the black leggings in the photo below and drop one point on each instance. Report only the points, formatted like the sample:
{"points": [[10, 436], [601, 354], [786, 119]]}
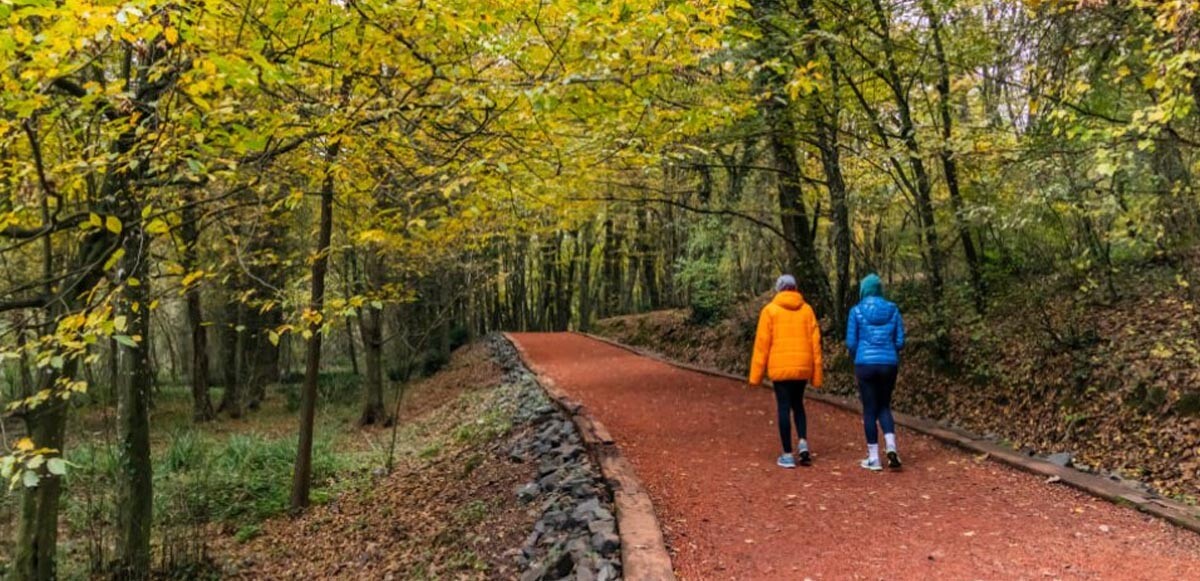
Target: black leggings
{"points": [[875, 386], [789, 395]]}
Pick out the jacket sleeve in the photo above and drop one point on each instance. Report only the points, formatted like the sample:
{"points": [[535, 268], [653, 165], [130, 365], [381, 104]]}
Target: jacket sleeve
{"points": [[852, 333], [762, 347], [818, 359], [899, 331]]}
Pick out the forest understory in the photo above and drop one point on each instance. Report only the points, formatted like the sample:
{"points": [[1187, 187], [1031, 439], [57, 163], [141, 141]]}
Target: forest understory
{"points": [[1114, 384], [445, 510]]}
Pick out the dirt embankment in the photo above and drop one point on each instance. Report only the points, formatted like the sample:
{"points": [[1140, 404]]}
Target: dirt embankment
{"points": [[1117, 385], [491, 482]]}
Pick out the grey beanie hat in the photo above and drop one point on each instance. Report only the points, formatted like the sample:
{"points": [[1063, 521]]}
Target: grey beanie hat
{"points": [[785, 282]]}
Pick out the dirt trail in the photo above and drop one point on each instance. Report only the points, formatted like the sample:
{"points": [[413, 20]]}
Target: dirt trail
{"points": [[705, 448]]}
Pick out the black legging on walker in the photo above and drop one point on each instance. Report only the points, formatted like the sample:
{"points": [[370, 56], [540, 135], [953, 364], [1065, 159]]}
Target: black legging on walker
{"points": [[789, 395]]}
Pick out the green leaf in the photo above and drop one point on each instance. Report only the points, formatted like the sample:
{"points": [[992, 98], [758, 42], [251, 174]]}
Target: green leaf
{"points": [[30, 479], [125, 340], [57, 466]]}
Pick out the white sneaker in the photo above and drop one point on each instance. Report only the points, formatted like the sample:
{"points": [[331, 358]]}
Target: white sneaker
{"points": [[872, 465]]}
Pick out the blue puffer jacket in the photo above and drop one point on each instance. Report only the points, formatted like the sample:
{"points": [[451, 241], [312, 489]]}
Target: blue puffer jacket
{"points": [[875, 332]]}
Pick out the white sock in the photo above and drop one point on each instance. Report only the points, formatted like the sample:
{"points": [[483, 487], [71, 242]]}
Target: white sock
{"points": [[803, 446], [891, 442], [873, 452]]}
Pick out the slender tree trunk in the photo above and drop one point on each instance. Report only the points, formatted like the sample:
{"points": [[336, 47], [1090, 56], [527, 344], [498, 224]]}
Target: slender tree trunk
{"points": [[135, 487], [371, 328], [794, 217], [585, 278], [649, 262], [36, 543], [826, 119], [924, 186], [302, 477], [202, 408], [233, 356], [949, 163], [262, 365]]}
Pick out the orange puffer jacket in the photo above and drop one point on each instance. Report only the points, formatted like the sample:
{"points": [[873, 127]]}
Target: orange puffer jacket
{"points": [[787, 345]]}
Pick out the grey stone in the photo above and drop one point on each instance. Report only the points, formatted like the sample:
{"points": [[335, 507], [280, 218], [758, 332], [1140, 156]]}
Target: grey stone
{"points": [[532, 539], [586, 510], [535, 573], [549, 481], [554, 519], [602, 526], [562, 565], [584, 574], [578, 548], [527, 492], [569, 451], [1060, 459], [605, 543], [607, 572]]}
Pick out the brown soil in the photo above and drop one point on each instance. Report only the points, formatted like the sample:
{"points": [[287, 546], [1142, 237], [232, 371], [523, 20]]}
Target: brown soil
{"points": [[705, 449]]}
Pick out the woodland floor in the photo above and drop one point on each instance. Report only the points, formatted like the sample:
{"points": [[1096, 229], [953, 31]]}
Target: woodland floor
{"points": [[447, 511], [705, 449]]}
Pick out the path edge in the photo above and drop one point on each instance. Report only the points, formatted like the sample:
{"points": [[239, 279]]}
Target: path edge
{"points": [[644, 555], [1177, 513]]}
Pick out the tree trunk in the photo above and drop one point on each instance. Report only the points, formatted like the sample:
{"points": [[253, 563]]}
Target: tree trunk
{"points": [[36, 543], [135, 487], [202, 408], [781, 130], [232, 358], [950, 164], [826, 119], [371, 328], [648, 262], [585, 278], [262, 367], [302, 477], [924, 187]]}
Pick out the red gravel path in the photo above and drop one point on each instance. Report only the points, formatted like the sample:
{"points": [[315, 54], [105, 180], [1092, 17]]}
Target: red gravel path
{"points": [[705, 449]]}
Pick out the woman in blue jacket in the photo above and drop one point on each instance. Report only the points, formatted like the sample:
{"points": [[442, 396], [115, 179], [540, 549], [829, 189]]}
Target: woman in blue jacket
{"points": [[875, 335]]}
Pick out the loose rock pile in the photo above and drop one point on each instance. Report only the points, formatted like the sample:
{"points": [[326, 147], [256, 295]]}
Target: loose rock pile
{"points": [[576, 535]]}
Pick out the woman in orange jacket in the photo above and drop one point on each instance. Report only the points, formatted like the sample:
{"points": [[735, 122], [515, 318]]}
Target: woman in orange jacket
{"points": [[787, 348]]}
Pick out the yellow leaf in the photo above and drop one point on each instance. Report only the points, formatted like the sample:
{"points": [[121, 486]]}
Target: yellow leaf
{"points": [[171, 35], [113, 224], [157, 226], [95, 220], [114, 259], [192, 277], [24, 444]]}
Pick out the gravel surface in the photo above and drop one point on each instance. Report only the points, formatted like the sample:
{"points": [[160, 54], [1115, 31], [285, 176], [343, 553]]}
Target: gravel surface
{"points": [[705, 448], [575, 536]]}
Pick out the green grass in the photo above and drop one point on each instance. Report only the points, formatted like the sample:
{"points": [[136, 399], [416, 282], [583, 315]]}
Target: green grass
{"points": [[241, 478], [226, 475]]}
